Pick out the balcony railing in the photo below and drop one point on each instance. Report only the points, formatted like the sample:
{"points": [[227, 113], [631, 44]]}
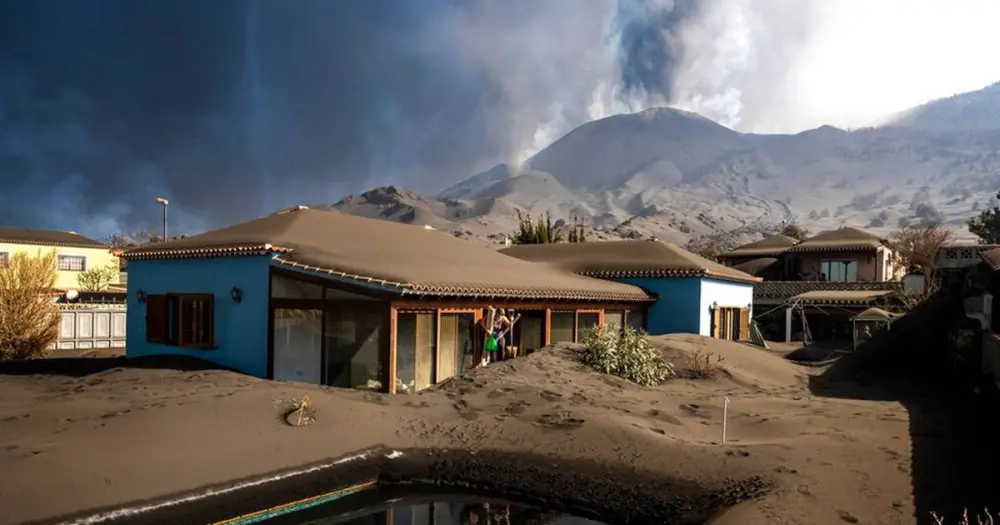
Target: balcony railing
{"points": [[775, 292], [961, 256]]}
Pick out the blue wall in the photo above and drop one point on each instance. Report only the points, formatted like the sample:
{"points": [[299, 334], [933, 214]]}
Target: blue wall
{"points": [[678, 308], [240, 328]]}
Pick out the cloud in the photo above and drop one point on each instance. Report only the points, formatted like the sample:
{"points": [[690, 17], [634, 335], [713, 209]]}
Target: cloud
{"points": [[233, 109]]}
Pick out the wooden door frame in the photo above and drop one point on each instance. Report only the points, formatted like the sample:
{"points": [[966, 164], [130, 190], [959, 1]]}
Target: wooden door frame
{"points": [[477, 347]]}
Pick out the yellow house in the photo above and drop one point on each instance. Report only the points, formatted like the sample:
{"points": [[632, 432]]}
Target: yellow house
{"points": [[74, 252]]}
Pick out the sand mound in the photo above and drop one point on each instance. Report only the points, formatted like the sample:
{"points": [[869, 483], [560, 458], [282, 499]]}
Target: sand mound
{"points": [[93, 419], [742, 363]]}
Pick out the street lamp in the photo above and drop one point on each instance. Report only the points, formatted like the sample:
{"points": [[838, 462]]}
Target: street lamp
{"points": [[164, 202]]}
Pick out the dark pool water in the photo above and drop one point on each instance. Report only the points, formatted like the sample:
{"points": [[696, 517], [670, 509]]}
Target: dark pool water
{"points": [[375, 508]]}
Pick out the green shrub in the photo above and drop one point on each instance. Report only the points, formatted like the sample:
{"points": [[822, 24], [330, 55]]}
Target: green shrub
{"points": [[628, 354]]}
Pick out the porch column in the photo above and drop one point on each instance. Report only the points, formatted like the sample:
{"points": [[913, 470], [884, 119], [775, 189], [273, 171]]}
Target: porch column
{"points": [[788, 324]]}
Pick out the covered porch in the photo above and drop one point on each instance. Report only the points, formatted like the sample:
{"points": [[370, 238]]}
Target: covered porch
{"points": [[342, 334], [828, 314]]}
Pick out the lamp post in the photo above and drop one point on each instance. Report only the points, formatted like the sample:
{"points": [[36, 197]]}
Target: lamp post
{"points": [[164, 202]]}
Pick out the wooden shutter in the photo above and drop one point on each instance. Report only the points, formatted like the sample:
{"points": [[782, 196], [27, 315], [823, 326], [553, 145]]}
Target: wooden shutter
{"points": [[744, 324], [716, 322], [156, 318], [195, 320]]}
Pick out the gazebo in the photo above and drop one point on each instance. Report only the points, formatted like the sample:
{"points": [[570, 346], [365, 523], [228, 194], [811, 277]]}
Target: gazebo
{"points": [[870, 323]]}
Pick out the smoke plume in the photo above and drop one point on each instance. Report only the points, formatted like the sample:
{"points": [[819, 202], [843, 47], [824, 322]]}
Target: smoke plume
{"points": [[233, 109]]}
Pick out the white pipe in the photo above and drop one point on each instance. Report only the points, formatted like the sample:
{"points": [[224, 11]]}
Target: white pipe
{"points": [[725, 418]]}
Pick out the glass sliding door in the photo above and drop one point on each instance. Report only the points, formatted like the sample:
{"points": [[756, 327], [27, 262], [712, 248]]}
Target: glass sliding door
{"points": [[353, 349], [563, 327], [457, 352], [297, 345], [529, 331], [614, 320], [636, 319], [416, 339], [586, 321]]}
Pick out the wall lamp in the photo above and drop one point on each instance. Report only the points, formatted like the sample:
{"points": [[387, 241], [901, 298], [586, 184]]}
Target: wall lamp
{"points": [[236, 294], [140, 295]]}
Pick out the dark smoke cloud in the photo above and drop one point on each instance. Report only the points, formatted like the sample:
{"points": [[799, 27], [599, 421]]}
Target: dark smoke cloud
{"points": [[233, 109], [652, 49]]}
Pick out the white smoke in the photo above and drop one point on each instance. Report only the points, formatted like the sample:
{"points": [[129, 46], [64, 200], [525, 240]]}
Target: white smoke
{"points": [[771, 66]]}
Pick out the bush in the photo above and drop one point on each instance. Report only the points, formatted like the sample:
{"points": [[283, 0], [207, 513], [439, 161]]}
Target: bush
{"points": [[628, 355], [29, 317], [706, 365], [99, 277]]}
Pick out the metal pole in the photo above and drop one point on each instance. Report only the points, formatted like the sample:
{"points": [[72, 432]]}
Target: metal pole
{"points": [[725, 418], [163, 202]]}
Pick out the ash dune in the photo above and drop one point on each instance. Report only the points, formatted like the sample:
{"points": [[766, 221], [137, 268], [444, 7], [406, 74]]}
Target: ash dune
{"points": [[106, 429], [677, 175]]}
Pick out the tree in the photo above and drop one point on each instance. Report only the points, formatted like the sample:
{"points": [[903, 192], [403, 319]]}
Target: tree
{"points": [[124, 241], [535, 231], [708, 247], [917, 244], [794, 231], [577, 231], [97, 279], [986, 225], [29, 317]]}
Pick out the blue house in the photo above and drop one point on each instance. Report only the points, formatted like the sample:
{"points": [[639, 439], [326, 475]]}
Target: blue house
{"points": [[695, 295], [323, 297]]}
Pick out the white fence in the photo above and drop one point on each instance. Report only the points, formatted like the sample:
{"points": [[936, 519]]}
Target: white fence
{"points": [[87, 327]]}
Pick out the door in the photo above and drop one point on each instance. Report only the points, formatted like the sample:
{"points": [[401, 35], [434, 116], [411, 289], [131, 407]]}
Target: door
{"points": [[728, 323], [298, 345]]}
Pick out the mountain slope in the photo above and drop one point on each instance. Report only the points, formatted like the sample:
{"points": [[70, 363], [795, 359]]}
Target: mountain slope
{"points": [[676, 175], [975, 111]]}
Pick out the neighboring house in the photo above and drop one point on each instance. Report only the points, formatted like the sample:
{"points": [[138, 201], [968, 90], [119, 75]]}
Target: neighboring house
{"points": [[329, 298], [695, 295], [74, 252], [845, 255], [762, 258], [976, 271], [828, 278]]}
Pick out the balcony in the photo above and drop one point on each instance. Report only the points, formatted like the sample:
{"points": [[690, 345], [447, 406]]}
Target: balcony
{"points": [[960, 256], [777, 292]]}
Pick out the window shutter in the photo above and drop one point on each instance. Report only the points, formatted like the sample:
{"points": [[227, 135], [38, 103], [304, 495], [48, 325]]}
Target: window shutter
{"points": [[156, 318], [716, 322], [744, 324]]}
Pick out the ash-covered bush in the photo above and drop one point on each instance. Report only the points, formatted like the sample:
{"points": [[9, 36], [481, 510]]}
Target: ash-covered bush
{"points": [[627, 354], [29, 317]]}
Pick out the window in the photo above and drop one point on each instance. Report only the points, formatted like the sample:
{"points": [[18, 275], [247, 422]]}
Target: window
{"points": [[416, 338], [585, 321], [71, 263], [614, 320], [636, 319], [287, 288], [562, 327], [353, 349], [185, 320], [196, 320], [4, 259], [839, 271], [457, 351]]}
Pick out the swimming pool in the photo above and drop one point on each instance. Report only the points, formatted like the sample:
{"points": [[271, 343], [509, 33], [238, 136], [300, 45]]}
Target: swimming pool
{"points": [[369, 505]]}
